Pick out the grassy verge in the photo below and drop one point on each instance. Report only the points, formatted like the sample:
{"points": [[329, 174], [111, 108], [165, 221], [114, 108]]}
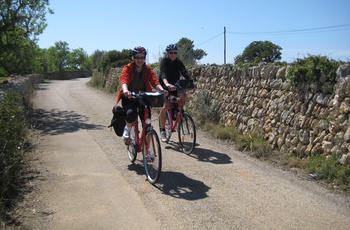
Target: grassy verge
{"points": [[13, 143]]}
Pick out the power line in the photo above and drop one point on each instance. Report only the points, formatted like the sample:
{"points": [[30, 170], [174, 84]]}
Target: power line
{"points": [[309, 30], [209, 39]]}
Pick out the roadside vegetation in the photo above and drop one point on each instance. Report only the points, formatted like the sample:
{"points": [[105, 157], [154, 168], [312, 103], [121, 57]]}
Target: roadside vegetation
{"points": [[14, 144]]}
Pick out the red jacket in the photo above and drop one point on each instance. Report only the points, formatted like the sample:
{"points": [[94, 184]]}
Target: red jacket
{"points": [[127, 75]]}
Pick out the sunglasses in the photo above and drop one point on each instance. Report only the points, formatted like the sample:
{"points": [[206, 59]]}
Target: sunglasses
{"points": [[139, 58], [172, 52]]}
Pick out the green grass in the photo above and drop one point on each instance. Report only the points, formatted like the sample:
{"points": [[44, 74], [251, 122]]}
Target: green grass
{"points": [[328, 169]]}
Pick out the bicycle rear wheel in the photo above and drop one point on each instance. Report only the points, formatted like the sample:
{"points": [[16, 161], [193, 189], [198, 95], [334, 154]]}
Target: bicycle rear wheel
{"points": [[152, 156], [132, 147], [187, 133]]}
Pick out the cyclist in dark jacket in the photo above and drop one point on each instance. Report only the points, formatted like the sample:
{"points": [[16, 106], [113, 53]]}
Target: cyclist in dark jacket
{"points": [[171, 68]]}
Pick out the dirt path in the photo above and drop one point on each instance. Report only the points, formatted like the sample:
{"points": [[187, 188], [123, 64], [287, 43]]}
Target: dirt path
{"points": [[87, 181]]}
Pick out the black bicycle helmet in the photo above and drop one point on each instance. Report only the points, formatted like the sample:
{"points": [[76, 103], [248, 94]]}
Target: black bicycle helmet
{"points": [[171, 47], [138, 50]]}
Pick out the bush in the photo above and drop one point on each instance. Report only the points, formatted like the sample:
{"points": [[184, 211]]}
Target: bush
{"points": [[311, 68], [12, 141], [205, 108]]}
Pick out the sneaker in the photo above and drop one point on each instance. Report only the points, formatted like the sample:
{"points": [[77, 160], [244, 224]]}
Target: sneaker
{"points": [[126, 133], [163, 136], [150, 156]]}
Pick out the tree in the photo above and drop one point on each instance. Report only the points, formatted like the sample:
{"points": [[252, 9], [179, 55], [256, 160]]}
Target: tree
{"points": [[113, 59], [20, 23], [77, 58], [187, 53], [61, 55], [96, 58], [259, 51]]}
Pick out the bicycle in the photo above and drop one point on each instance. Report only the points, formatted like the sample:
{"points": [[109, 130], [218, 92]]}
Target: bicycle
{"points": [[179, 120], [148, 142]]}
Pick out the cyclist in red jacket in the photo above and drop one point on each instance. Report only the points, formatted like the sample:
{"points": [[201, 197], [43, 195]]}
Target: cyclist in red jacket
{"points": [[136, 76]]}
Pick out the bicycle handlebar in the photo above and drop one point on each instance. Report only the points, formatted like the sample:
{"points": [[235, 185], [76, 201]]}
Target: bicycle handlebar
{"points": [[142, 94]]}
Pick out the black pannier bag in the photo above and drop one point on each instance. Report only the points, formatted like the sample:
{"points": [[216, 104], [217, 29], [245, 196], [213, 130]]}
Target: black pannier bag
{"points": [[118, 120]]}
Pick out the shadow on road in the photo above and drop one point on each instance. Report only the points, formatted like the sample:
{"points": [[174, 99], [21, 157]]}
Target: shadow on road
{"points": [[205, 155], [55, 122], [176, 184]]}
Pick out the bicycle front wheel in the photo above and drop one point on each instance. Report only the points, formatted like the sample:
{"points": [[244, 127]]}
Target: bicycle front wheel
{"points": [[187, 133], [152, 156]]}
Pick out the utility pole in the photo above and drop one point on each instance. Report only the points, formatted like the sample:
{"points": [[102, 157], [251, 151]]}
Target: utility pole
{"points": [[224, 45]]}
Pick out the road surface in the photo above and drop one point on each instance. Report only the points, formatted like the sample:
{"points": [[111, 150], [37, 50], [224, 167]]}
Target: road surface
{"points": [[87, 182]]}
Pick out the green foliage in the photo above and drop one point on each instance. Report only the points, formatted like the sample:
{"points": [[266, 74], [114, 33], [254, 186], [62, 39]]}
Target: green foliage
{"points": [[97, 80], [61, 55], [12, 140], [327, 168], [260, 51], [20, 23], [96, 58], [311, 68], [155, 65], [78, 59], [254, 143], [187, 53], [220, 131], [113, 59], [3, 73], [205, 108]]}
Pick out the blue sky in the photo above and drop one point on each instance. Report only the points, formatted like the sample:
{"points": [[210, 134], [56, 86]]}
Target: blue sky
{"points": [[116, 25]]}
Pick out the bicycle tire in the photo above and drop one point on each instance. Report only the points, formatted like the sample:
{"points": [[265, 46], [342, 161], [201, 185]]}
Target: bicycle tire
{"points": [[132, 147], [152, 157], [187, 133]]}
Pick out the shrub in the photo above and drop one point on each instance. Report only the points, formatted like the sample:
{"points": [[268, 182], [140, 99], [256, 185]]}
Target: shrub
{"points": [[97, 80], [205, 108], [309, 69], [12, 141]]}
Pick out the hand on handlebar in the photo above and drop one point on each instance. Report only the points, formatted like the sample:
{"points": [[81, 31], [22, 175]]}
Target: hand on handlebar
{"points": [[127, 94], [171, 87]]}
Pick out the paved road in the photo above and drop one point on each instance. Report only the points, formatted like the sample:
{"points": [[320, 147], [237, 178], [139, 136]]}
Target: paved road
{"points": [[90, 184]]}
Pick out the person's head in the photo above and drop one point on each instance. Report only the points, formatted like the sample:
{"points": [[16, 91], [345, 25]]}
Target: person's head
{"points": [[171, 51], [139, 55]]}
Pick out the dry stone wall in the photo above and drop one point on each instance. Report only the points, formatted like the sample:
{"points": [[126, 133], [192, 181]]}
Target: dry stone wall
{"points": [[308, 119]]}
